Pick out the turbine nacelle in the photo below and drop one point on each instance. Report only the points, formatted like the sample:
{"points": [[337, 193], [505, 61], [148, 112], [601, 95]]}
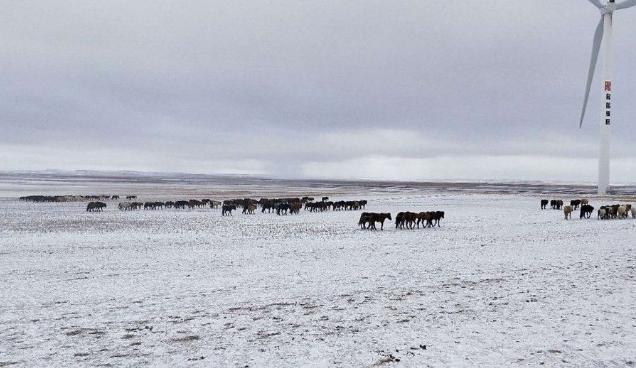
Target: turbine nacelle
{"points": [[608, 8]]}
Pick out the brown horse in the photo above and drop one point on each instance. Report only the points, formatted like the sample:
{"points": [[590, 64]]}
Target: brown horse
{"points": [[410, 218], [378, 217], [295, 207], [365, 219]]}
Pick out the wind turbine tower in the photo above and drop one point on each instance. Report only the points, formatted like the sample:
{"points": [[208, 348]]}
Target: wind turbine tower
{"points": [[603, 36]]}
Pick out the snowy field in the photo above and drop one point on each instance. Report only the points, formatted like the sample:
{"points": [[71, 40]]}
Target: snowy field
{"points": [[500, 283]]}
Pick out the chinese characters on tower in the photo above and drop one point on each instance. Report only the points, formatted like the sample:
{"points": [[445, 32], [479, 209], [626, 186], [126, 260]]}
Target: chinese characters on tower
{"points": [[608, 102]]}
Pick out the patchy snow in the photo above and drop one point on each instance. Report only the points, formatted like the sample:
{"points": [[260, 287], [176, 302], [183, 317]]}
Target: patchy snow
{"points": [[500, 283]]}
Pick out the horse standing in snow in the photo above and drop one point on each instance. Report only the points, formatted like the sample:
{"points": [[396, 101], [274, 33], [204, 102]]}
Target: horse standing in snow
{"points": [[371, 218], [95, 206], [586, 211], [227, 209]]}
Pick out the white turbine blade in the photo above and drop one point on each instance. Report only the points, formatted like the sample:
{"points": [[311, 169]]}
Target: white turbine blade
{"points": [[626, 4], [598, 37], [596, 3]]}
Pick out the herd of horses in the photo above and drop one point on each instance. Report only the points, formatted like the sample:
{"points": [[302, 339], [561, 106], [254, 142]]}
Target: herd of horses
{"points": [[616, 211], [410, 220], [67, 198], [191, 204], [284, 206], [607, 212], [280, 206], [403, 220]]}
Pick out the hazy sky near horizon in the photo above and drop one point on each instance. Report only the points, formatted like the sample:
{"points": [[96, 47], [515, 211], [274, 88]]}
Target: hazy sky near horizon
{"points": [[358, 89]]}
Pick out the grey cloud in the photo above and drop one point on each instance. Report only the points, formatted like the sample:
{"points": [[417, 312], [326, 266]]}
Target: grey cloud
{"points": [[287, 83]]}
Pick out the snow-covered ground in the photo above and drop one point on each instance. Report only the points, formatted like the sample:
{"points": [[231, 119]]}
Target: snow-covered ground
{"points": [[500, 283]]}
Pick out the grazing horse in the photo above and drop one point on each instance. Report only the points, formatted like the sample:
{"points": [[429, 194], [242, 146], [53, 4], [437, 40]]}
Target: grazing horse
{"points": [[295, 207], [131, 197], [614, 210], [586, 211], [227, 209], [180, 204], [399, 221], [268, 206], [282, 209], [575, 203], [379, 217], [544, 204], [249, 209], [95, 206], [567, 210]]}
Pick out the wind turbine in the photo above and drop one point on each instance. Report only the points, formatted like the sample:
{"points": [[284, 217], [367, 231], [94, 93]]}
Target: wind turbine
{"points": [[603, 35]]}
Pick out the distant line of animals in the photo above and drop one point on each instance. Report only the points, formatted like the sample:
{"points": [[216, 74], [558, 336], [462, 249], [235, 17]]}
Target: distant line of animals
{"points": [[70, 198], [281, 206], [193, 203], [615, 211]]}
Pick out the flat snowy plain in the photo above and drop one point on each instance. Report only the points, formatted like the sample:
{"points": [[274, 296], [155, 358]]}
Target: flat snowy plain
{"points": [[500, 283]]}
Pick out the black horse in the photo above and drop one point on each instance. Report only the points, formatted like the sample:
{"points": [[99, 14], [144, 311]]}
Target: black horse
{"points": [[95, 206], [227, 209], [586, 211]]}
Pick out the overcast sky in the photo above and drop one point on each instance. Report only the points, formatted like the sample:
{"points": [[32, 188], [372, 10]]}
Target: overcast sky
{"points": [[409, 90]]}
